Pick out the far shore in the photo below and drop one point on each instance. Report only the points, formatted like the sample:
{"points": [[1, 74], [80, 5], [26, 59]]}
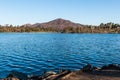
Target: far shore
{"points": [[60, 32]]}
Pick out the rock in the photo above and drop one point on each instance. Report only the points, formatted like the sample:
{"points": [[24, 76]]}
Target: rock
{"points": [[96, 68], [58, 76], [87, 68], [49, 74], [17, 75], [35, 78], [10, 79], [62, 70], [111, 67], [104, 67]]}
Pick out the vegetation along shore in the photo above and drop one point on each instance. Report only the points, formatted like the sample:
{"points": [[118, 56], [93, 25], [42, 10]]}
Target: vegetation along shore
{"points": [[62, 26]]}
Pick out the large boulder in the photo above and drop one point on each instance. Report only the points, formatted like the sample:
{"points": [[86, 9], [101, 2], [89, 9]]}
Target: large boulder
{"points": [[111, 67]]}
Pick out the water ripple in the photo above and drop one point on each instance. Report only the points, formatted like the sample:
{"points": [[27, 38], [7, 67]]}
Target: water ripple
{"points": [[39, 52]]}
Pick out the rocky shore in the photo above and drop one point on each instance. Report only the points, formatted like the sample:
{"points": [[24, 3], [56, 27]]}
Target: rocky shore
{"points": [[88, 72]]}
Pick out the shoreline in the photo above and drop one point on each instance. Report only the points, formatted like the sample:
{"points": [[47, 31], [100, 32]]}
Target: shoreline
{"points": [[61, 32], [106, 72]]}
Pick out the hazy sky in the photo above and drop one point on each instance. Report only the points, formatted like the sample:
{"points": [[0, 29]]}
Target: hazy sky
{"points": [[80, 11]]}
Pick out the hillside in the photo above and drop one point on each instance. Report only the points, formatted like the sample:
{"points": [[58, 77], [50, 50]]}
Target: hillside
{"points": [[57, 23], [63, 26]]}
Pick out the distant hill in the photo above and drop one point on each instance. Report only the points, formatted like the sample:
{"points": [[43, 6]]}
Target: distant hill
{"points": [[58, 23], [63, 26]]}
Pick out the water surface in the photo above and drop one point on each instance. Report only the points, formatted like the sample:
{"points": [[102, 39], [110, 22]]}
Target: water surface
{"points": [[34, 53]]}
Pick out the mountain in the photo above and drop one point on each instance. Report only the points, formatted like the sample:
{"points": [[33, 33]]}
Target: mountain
{"points": [[57, 23], [63, 26]]}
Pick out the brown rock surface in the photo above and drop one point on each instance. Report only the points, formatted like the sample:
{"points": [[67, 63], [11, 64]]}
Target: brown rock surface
{"points": [[88, 76], [89, 72]]}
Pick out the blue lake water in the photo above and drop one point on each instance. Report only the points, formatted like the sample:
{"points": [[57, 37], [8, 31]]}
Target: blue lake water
{"points": [[34, 53]]}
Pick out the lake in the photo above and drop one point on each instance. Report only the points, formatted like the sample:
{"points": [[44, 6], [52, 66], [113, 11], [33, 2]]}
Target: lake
{"points": [[35, 53]]}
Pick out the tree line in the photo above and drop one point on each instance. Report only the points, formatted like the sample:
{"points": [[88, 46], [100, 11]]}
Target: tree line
{"points": [[102, 28]]}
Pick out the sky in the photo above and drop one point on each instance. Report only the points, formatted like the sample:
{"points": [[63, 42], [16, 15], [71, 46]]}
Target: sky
{"points": [[92, 12]]}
